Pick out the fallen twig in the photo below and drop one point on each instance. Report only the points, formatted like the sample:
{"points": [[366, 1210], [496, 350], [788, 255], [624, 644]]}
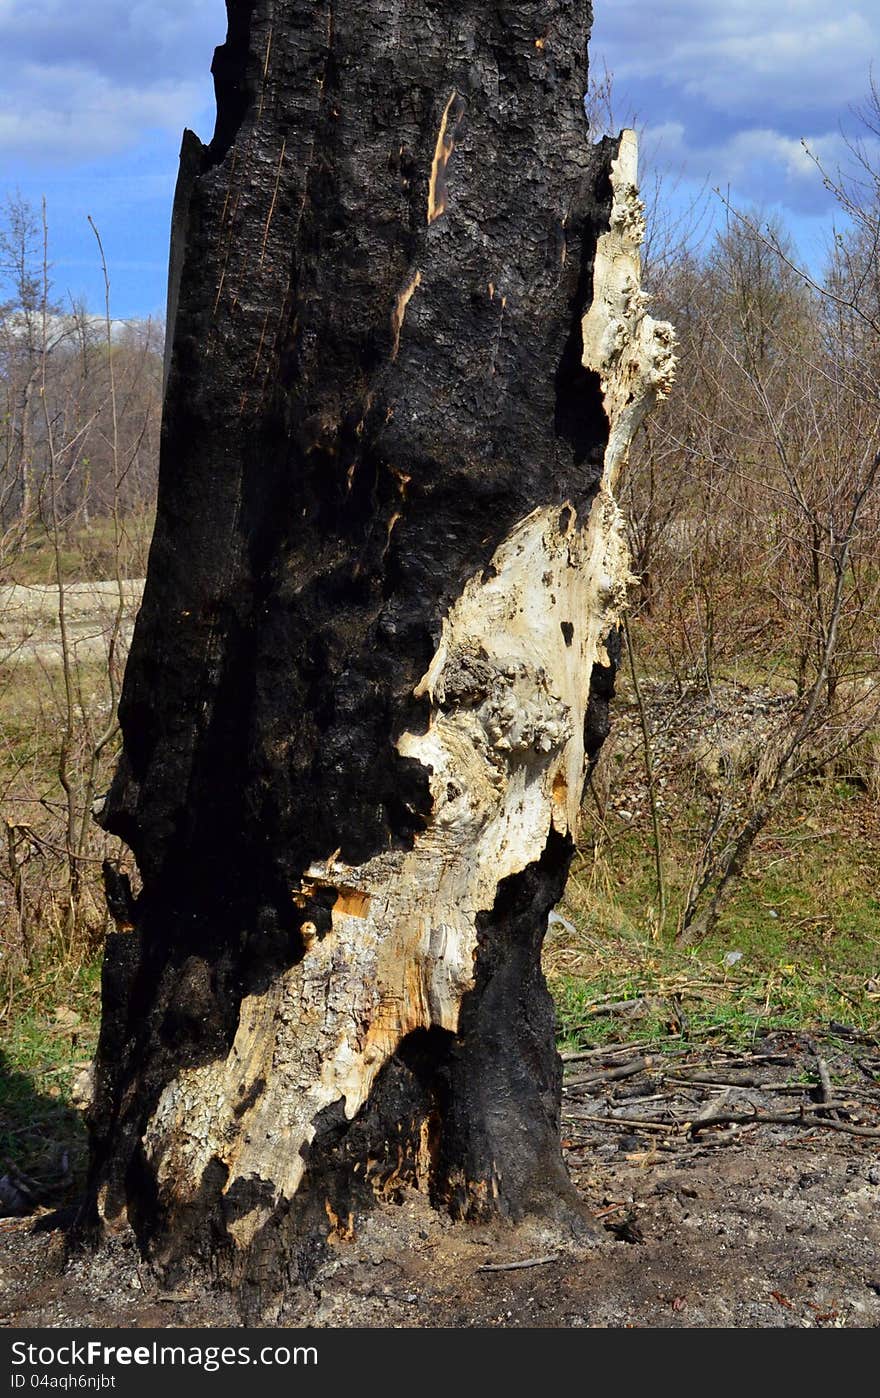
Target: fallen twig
{"points": [[798, 1118], [824, 1080], [603, 1051], [615, 1050], [828, 1124], [625, 1070], [712, 1108], [685, 1079], [517, 1266], [870, 1068], [633, 1123], [786, 1088], [632, 1008], [10, 1222], [847, 1031], [638, 1101]]}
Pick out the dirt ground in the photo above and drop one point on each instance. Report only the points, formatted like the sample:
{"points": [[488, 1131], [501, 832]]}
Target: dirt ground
{"points": [[700, 1221], [30, 629]]}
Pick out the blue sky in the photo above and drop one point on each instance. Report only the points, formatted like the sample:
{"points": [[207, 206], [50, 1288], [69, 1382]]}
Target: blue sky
{"points": [[94, 95]]}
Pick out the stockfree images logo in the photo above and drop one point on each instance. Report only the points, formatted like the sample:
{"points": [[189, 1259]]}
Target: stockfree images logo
{"points": [[95, 1353]]}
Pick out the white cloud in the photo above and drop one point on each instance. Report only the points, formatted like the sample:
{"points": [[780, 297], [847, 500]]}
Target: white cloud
{"points": [[727, 90], [783, 68], [758, 165], [72, 113], [745, 56], [762, 146], [88, 80]]}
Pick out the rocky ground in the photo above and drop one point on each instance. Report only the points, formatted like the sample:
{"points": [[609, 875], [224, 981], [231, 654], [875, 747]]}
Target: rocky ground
{"points": [[715, 738], [726, 1189]]}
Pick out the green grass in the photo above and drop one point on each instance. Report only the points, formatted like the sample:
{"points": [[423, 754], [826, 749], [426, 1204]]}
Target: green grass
{"points": [[698, 998], [49, 980], [49, 1033], [811, 889], [806, 920]]}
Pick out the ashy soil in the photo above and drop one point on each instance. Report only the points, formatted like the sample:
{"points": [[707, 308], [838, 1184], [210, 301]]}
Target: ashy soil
{"points": [[706, 1213]]}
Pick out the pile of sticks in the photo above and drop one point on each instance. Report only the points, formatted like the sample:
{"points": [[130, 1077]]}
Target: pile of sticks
{"points": [[683, 1094]]}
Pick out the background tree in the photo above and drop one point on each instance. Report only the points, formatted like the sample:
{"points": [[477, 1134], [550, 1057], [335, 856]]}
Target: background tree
{"points": [[757, 535], [78, 449]]}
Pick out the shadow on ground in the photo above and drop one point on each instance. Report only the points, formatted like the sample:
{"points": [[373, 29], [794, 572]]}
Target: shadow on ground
{"points": [[42, 1146]]}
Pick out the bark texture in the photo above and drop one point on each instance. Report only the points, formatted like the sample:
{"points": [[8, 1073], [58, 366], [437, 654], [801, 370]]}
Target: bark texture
{"points": [[378, 634]]}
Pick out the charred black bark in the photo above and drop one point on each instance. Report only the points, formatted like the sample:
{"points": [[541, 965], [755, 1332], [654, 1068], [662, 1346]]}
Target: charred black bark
{"points": [[379, 269], [500, 1142]]}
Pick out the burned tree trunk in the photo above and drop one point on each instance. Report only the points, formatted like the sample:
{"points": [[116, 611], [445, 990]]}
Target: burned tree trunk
{"points": [[408, 352]]}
